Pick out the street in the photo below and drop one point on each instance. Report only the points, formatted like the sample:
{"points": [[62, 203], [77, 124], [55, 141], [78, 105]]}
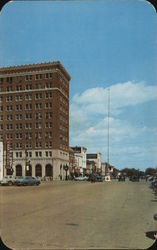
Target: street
{"points": [[57, 215]]}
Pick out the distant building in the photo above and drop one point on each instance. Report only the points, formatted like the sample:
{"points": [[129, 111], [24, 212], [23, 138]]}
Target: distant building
{"points": [[80, 159], [71, 162], [1, 160], [107, 169], [95, 158], [91, 166], [34, 119]]}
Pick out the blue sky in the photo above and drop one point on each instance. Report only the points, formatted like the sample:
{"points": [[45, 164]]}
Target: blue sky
{"points": [[102, 44]]}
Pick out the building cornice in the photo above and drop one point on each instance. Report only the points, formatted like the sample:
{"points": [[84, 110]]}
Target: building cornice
{"points": [[33, 68]]}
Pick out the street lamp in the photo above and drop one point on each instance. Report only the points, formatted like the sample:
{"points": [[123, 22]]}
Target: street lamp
{"points": [[66, 169], [27, 163]]}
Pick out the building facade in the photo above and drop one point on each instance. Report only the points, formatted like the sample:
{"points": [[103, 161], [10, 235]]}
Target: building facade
{"points": [[107, 170], [71, 162], [1, 160], [34, 119], [80, 159], [95, 158]]}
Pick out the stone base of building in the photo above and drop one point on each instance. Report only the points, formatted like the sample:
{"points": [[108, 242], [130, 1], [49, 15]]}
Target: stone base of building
{"points": [[48, 168]]}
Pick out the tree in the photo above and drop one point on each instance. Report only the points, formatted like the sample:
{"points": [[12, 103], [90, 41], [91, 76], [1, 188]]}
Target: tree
{"points": [[150, 171], [131, 172]]}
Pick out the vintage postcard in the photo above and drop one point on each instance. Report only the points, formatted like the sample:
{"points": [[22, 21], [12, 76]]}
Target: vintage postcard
{"points": [[78, 124]]}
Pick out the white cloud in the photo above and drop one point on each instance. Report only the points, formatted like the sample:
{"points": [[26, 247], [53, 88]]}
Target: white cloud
{"points": [[94, 100], [120, 131], [88, 120]]}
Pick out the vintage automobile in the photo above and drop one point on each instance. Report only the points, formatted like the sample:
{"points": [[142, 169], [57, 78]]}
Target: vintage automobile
{"points": [[81, 178], [8, 180], [96, 178], [121, 178], [27, 180], [134, 178]]}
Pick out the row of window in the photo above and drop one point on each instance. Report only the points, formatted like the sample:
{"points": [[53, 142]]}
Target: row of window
{"points": [[28, 106], [28, 116], [9, 98], [18, 145], [38, 135], [38, 125], [38, 76], [29, 86], [37, 154], [27, 78]]}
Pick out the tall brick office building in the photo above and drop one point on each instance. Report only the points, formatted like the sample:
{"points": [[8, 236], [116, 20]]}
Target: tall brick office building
{"points": [[34, 119]]}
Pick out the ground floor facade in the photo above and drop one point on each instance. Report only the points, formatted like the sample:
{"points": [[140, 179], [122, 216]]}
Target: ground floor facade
{"points": [[53, 167]]}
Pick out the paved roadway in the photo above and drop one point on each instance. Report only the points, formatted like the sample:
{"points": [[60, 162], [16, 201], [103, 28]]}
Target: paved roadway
{"points": [[57, 215]]}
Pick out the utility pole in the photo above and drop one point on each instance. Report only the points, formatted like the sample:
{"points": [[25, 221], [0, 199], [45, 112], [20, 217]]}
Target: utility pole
{"points": [[108, 129]]}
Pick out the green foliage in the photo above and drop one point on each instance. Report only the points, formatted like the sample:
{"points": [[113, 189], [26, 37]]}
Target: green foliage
{"points": [[131, 172], [150, 171]]}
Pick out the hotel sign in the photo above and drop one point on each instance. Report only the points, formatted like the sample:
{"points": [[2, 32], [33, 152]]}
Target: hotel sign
{"points": [[8, 155]]}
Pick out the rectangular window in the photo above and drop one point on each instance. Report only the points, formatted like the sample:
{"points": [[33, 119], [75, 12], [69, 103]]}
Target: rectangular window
{"points": [[9, 79], [38, 77], [46, 75], [28, 77]]}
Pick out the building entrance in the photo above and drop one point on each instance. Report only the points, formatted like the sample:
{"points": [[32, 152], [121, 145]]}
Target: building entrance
{"points": [[18, 170], [49, 170], [38, 170]]}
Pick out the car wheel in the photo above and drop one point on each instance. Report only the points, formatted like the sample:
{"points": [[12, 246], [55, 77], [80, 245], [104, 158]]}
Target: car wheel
{"points": [[10, 183]]}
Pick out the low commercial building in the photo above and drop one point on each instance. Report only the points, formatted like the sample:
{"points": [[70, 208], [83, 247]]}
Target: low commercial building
{"points": [[107, 170], [96, 157], [91, 167], [71, 162], [80, 159]]}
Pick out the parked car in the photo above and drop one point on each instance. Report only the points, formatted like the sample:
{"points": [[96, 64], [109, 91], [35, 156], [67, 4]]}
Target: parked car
{"points": [[153, 184], [134, 178], [81, 178], [121, 178], [95, 178], [27, 180], [8, 180]]}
